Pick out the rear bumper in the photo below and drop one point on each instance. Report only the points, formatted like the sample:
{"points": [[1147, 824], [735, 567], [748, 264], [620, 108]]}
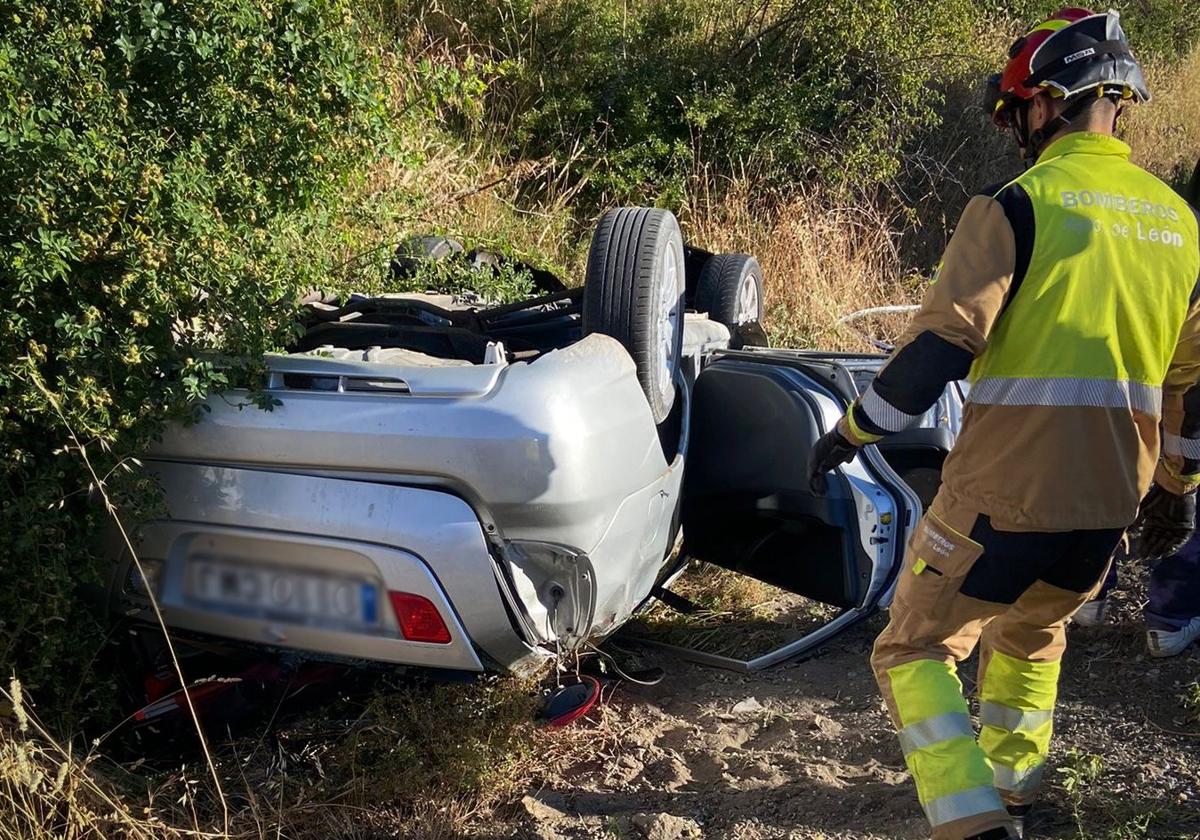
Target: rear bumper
{"points": [[405, 539], [547, 450]]}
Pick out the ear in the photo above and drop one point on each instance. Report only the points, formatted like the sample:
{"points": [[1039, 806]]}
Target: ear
{"points": [[1041, 111]]}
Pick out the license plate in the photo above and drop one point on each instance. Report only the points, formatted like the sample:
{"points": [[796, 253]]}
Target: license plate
{"points": [[282, 594]]}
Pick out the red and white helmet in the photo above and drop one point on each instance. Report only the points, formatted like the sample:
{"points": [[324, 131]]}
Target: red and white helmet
{"points": [[1073, 52]]}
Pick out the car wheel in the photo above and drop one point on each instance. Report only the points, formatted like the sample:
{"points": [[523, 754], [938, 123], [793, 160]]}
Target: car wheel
{"points": [[634, 293], [730, 289]]}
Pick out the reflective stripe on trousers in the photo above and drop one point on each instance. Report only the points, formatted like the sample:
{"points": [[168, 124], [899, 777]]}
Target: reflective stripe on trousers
{"points": [[1019, 783], [960, 806], [930, 731], [953, 778], [1013, 720], [1016, 721], [1067, 391]]}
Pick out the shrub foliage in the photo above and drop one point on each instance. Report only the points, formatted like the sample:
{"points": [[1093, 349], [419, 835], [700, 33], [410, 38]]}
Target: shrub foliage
{"points": [[158, 161], [641, 95], [1156, 28]]}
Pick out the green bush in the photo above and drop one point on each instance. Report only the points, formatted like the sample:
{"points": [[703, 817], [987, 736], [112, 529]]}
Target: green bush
{"points": [[642, 95], [1156, 28], [159, 161]]}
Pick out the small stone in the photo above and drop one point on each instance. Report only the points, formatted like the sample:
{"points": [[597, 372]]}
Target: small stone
{"points": [[665, 826], [668, 773], [540, 811], [825, 727], [626, 770], [706, 768], [748, 706]]}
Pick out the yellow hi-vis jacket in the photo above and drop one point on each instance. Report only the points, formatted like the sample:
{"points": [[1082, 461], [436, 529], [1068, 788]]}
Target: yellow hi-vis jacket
{"points": [[1068, 298]]}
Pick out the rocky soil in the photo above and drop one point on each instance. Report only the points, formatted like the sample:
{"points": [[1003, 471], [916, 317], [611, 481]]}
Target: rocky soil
{"points": [[805, 751]]}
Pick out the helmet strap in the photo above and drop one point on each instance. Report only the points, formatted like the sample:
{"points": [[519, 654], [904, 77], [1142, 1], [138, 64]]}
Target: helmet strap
{"points": [[1020, 131]]}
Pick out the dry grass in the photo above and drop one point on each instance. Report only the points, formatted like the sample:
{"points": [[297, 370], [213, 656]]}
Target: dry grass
{"points": [[49, 791], [722, 591], [413, 761], [1165, 133], [822, 258], [521, 210], [736, 616]]}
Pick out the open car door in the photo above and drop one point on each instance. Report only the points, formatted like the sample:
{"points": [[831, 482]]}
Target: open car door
{"points": [[747, 502]]}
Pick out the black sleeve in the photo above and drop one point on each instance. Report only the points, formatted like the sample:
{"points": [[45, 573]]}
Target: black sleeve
{"points": [[940, 348], [1019, 211]]}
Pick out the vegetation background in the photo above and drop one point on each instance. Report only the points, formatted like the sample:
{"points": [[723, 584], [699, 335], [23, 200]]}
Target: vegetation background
{"points": [[174, 173]]}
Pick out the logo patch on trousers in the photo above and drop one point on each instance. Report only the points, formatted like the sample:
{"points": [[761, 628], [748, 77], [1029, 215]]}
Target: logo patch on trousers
{"points": [[938, 542]]}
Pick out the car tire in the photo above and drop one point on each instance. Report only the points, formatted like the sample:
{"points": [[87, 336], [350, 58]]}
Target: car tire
{"points": [[633, 292], [730, 289]]}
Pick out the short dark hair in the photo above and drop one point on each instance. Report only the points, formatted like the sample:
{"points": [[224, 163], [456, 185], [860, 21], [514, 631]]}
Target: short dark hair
{"points": [[1113, 99]]}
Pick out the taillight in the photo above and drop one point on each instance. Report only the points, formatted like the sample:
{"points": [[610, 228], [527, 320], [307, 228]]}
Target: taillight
{"points": [[419, 619]]}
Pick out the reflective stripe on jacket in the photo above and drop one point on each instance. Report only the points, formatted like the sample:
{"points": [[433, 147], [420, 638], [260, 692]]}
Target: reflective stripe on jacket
{"points": [[1069, 300]]}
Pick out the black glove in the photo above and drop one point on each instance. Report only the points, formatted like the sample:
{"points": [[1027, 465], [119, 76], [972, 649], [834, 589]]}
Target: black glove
{"points": [[830, 451], [1165, 522]]}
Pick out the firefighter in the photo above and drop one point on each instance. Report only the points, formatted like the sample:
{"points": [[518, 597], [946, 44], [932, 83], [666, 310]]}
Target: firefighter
{"points": [[1067, 298]]}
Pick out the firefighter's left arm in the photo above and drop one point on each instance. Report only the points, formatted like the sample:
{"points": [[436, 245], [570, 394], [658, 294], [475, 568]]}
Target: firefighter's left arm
{"points": [[983, 265], [1179, 468]]}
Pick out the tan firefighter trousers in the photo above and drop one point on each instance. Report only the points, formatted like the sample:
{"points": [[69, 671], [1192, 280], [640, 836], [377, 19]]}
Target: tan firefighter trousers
{"points": [[964, 582]]}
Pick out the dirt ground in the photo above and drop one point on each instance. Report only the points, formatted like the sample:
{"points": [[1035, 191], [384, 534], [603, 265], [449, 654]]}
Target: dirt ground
{"points": [[804, 750]]}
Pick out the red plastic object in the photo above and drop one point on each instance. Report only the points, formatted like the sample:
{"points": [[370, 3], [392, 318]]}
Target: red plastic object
{"points": [[157, 687], [419, 619], [582, 705], [202, 698]]}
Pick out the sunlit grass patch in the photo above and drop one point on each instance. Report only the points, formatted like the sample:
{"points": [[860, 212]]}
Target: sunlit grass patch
{"points": [[737, 615], [417, 759]]}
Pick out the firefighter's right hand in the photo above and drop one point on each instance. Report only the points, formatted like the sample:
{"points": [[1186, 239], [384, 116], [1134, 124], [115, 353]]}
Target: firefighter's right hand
{"points": [[829, 452], [1165, 522]]}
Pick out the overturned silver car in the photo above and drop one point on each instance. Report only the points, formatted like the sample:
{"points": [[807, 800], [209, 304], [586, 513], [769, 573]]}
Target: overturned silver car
{"points": [[469, 488]]}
